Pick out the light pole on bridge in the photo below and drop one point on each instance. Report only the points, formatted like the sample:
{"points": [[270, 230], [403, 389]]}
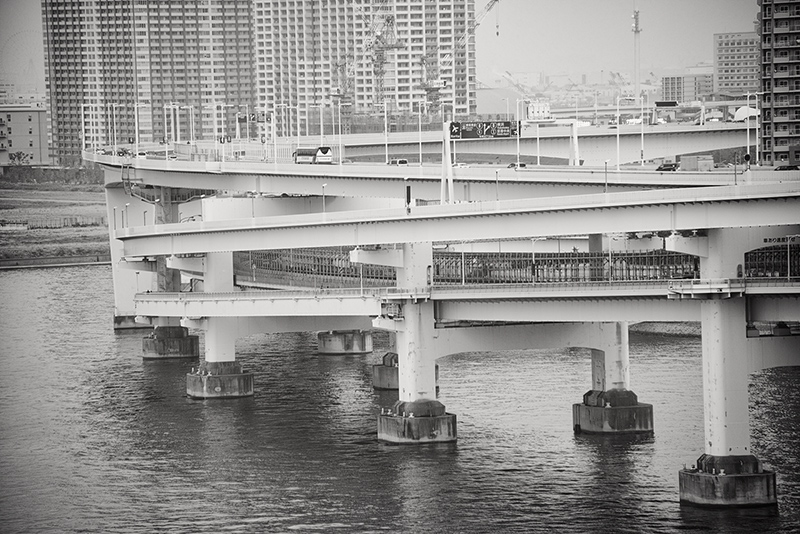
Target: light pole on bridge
{"points": [[789, 239], [619, 97], [747, 119]]}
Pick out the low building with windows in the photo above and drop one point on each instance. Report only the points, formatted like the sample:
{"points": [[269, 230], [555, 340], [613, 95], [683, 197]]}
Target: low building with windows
{"points": [[23, 129]]}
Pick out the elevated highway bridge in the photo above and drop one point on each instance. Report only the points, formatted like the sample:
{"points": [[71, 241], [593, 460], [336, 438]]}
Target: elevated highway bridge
{"points": [[394, 218]]}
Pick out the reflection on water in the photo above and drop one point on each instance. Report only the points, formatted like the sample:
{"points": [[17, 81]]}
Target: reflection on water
{"points": [[94, 438]]}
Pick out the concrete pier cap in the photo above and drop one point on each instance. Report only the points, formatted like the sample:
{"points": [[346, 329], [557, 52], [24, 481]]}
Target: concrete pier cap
{"points": [[167, 342], [344, 342], [385, 375]]}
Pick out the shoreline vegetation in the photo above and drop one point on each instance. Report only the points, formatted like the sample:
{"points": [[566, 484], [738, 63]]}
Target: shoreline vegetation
{"points": [[52, 216]]}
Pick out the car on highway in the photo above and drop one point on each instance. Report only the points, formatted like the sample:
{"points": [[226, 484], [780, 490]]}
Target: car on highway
{"points": [[668, 167], [517, 165], [399, 161], [787, 168]]}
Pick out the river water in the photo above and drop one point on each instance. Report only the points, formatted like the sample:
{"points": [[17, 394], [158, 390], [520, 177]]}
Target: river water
{"points": [[95, 439]]}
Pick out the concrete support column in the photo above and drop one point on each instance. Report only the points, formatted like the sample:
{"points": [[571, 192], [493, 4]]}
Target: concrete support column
{"points": [[610, 407], [123, 211], [417, 417], [219, 376], [727, 474]]}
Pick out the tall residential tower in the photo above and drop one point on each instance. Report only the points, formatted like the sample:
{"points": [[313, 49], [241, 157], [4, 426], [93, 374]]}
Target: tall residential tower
{"points": [[173, 67], [780, 81]]}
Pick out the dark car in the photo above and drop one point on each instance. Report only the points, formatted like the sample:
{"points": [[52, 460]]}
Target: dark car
{"points": [[787, 168], [517, 165], [667, 167]]}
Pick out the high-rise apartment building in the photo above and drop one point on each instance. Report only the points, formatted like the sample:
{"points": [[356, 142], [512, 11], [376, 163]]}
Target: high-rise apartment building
{"points": [[176, 69], [151, 70], [737, 68], [779, 22], [369, 55]]}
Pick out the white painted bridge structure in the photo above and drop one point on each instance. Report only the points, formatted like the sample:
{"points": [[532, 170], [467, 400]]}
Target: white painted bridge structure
{"points": [[196, 217]]}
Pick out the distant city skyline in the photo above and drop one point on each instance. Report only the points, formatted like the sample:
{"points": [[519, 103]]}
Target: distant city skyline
{"points": [[542, 36]]}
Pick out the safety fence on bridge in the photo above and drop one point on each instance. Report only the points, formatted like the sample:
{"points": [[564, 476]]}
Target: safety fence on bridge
{"points": [[331, 268]]}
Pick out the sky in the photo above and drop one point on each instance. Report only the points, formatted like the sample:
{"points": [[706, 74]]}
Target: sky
{"points": [[21, 48], [565, 38], [574, 37]]}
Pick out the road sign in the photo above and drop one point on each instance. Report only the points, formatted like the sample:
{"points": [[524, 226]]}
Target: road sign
{"points": [[482, 129]]}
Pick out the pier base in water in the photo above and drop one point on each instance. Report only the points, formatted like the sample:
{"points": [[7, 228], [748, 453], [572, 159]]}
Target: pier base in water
{"points": [[219, 380], [417, 422], [727, 481], [612, 412], [170, 342]]}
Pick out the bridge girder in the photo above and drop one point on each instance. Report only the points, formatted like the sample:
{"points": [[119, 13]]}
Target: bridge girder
{"points": [[702, 208]]}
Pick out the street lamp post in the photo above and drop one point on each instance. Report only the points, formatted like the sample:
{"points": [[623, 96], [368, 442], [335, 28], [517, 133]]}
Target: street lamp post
{"points": [[789, 239], [386, 132], [519, 127], [619, 97], [341, 146], [213, 109], [83, 127], [507, 104], [319, 106], [641, 117], [605, 173], [114, 107], [322, 123], [747, 105], [190, 108], [136, 107], [323, 197], [420, 105]]}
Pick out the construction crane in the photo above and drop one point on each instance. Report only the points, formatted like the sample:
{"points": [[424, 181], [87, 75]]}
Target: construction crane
{"points": [[346, 70], [432, 82], [381, 37]]}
